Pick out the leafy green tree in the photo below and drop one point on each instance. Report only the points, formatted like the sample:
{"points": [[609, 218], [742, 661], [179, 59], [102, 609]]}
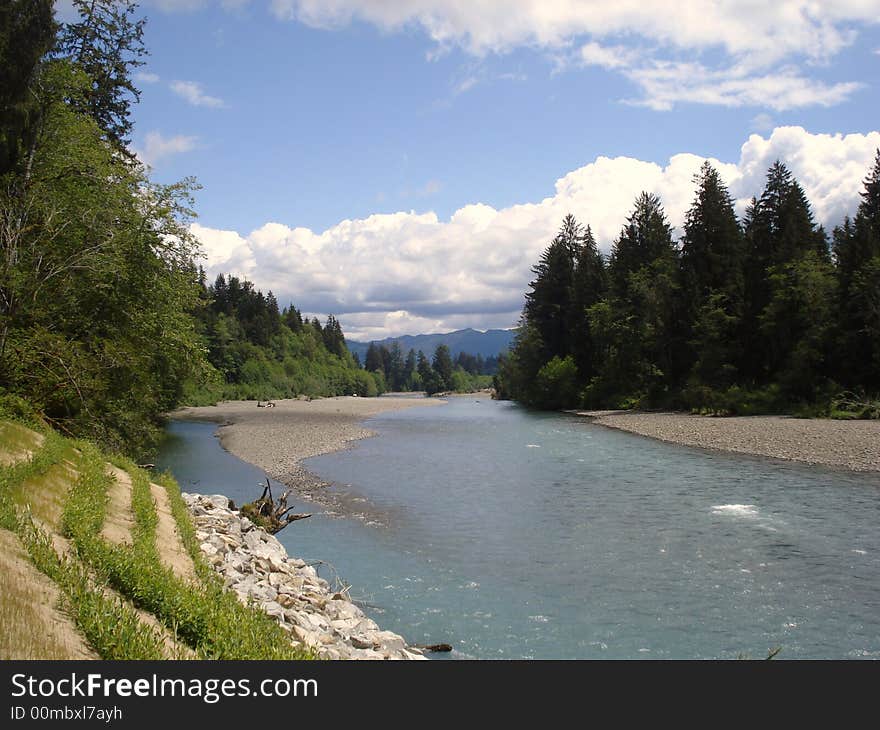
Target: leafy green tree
{"points": [[98, 279], [556, 385]]}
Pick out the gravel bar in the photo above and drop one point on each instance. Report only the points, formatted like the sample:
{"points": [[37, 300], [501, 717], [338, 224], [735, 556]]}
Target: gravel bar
{"points": [[853, 445]]}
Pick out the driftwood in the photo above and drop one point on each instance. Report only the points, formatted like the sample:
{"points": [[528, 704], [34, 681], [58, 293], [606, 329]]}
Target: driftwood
{"points": [[435, 647], [272, 516]]}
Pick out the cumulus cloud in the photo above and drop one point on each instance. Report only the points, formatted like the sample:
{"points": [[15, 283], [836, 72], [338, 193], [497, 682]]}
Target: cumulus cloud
{"points": [[156, 147], [408, 272], [193, 93]]}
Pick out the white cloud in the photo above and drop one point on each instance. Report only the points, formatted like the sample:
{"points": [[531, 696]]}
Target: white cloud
{"points": [[410, 272], [755, 44], [193, 93], [770, 29], [593, 54], [156, 147], [665, 83], [145, 77]]}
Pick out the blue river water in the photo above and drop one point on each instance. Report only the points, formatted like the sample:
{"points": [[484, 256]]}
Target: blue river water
{"points": [[514, 534]]}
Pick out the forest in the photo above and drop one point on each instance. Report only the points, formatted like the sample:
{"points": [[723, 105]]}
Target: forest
{"points": [[106, 318], [759, 315], [106, 321], [97, 273]]}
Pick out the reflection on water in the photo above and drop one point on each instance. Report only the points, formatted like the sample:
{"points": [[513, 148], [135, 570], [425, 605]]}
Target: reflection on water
{"points": [[515, 534]]}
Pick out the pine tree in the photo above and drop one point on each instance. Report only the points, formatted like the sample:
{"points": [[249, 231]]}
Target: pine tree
{"points": [[588, 289], [27, 33], [712, 258], [857, 257], [779, 233], [107, 43], [549, 304], [643, 274], [373, 360], [442, 365]]}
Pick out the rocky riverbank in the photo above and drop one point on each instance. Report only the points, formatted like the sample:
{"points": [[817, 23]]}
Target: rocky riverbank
{"points": [[257, 568]]}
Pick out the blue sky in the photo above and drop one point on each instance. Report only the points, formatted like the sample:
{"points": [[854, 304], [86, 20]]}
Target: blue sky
{"points": [[402, 165]]}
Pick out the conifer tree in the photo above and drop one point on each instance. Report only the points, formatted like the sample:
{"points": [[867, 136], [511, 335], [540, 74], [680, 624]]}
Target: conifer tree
{"points": [[27, 33], [783, 252], [643, 274], [107, 43], [549, 304], [588, 289], [712, 253], [442, 365], [857, 255]]}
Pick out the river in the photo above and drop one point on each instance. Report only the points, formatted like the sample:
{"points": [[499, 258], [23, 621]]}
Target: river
{"points": [[514, 534]]}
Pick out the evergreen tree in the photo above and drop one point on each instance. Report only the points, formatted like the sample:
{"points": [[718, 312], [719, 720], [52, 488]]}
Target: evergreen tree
{"points": [[588, 289], [27, 33], [107, 43], [779, 233], [334, 339], [550, 302], [643, 274], [395, 367], [442, 365], [409, 370], [373, 360], [712, 258], [857, 255], [423, 367]]}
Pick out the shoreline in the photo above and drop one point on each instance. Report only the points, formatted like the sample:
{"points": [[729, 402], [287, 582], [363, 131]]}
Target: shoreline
{"points": [[849, 445], [277, 440], [256, 567]]}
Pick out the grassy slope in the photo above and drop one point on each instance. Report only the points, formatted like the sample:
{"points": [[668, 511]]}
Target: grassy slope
{"points": [[53, 501]]}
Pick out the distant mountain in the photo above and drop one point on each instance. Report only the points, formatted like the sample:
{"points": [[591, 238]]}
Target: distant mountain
{"points": [[487, 344]]}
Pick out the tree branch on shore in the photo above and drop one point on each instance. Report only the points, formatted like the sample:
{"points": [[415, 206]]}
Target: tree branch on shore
{"points": [[272, 516]]}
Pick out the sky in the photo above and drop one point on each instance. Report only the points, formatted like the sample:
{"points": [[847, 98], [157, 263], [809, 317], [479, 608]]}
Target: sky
{"points": [[402, 165]]}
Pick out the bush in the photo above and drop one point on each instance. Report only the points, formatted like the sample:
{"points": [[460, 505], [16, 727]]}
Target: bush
{"points": [[556, 384]]}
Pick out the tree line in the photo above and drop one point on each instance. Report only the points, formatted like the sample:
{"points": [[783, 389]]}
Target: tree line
{"points": [[106, 320], [465, 373], [256, 351], [743, 316]]}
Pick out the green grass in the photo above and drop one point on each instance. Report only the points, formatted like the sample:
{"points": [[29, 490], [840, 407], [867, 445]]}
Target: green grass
{"points": [[110, 626], [199, 612], [207, 617]]}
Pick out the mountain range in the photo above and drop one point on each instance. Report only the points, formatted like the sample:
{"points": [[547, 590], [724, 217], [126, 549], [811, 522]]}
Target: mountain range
{"points": [[489, 343]]}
